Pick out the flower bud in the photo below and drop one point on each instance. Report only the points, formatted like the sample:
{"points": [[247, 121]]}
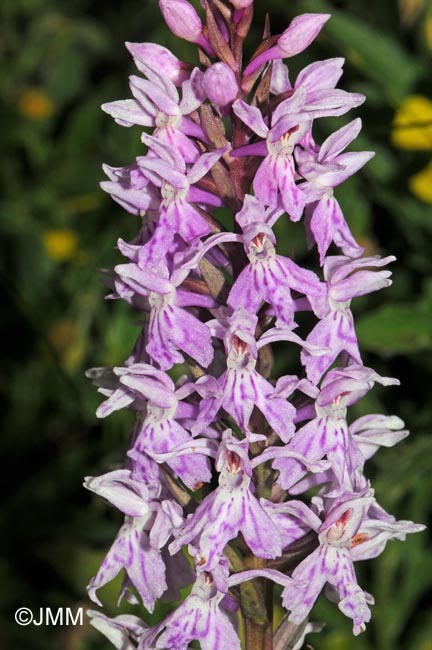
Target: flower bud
{"points": [[219, 84], [182, 19], [301, 32]]}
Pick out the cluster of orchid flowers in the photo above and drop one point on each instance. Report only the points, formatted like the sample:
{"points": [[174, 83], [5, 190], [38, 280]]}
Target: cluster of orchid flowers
{"points": [[223, 460]]}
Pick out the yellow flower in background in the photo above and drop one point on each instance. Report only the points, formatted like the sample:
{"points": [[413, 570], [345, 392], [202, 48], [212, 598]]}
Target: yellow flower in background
{"points": [[35, 104], [427, 645], [421, 184], [428, 29], [412, 129], [410, 10], [412, 124], [66, 338], [60, 244]]}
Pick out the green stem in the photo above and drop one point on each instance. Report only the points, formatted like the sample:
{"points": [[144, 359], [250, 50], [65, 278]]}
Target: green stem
{"points": [[257, 608]]}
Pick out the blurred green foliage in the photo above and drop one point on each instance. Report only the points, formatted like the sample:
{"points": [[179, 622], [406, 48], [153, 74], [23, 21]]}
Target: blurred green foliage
{"points": [[59, 62]]}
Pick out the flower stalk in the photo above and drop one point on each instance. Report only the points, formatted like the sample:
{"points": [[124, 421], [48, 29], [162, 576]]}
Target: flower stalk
{"points": [[219, 456]]}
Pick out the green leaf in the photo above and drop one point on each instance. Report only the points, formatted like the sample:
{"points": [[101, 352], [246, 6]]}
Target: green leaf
{"points": [[67, 75], [396, 329]]}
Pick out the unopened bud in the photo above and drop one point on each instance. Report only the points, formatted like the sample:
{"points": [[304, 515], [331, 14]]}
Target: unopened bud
{"points": [[219, 84], [182, 19], [300, 33]]}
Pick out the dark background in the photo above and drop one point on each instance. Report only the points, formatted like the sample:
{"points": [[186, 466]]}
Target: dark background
{"points": [[59, 62]]}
